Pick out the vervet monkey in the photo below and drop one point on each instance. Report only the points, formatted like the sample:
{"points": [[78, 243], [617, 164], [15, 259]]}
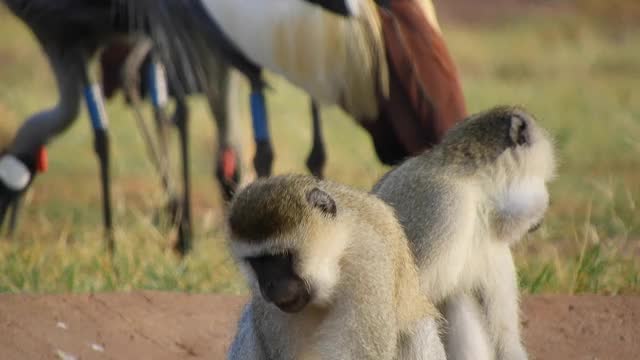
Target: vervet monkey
{"points": [[462, 204], [331, 275]]}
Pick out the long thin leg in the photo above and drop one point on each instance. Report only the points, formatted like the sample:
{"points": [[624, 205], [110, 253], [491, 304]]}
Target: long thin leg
{"points": [[4, 207], [102, 149], [13, 218], [184, 225], [317, 157], [221, 95], [98, 117], [156, 85], [263, 159], [180, 210]]}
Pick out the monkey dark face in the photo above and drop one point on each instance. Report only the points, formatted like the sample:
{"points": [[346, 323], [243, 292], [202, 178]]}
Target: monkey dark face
{"points": [[279, 283]]}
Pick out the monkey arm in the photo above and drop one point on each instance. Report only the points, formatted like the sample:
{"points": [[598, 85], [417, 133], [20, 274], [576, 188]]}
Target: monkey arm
{"points": [[519, 208], [423, 343], [363, 329], [246, 344], [465, 335], [362, 318], [499, 298]]}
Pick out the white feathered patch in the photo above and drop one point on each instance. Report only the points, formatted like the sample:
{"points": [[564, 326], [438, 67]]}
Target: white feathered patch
{"points": [[13, 173], [336, 59], [320, 263]]}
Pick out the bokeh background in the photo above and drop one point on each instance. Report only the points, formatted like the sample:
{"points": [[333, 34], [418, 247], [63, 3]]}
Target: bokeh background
{"points": [[575, 64]]}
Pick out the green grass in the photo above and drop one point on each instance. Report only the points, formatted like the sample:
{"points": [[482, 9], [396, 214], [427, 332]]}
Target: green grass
{"points": [[580, 81]]}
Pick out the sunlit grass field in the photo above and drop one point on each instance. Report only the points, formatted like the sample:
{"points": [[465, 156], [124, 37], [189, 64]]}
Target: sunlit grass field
{"points": [[581, 82]]}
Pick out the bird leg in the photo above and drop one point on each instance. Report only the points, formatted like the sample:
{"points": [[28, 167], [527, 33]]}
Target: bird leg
{"points": [[156, 84], [157, 87], [13, 217], [5, 204], [222, 96], [99, 124], [317, 157], [263, 159], [181, 116]]}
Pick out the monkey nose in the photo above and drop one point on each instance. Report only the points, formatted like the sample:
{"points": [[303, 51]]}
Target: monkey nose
{"points": [[289, 296]]}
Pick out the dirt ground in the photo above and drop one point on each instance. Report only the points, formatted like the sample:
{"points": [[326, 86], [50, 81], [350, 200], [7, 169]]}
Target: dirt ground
{"points": [[160, 325]]}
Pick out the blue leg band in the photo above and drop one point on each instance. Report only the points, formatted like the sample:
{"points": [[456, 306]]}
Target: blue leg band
{"points": [[259, 116], [157, 84], [95, 105]]}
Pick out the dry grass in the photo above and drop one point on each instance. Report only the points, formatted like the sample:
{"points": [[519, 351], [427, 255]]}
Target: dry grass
{"points": [[616, 14], [581, 82]]}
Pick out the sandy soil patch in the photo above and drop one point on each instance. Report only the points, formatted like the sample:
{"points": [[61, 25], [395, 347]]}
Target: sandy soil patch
{"points": [[161, 325]]}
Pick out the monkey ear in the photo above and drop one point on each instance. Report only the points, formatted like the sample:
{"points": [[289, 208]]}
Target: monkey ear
{"points": [[323, 201], [519, 132]]}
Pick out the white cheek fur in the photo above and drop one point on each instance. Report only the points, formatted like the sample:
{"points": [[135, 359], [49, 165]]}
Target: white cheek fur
{"points": [[520, 207], [320, 264], [524, 199]]}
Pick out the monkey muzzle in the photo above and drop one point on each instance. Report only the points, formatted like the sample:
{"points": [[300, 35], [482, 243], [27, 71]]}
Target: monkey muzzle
{"points": [[290, 296], [279, 283]]}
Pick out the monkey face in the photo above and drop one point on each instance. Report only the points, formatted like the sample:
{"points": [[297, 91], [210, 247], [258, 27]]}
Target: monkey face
{"points": [[279, 230], [279, 283]]}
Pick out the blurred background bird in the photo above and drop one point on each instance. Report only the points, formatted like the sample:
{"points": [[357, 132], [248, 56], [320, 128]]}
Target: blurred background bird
{"points": [[71, 32], [384, 62]]}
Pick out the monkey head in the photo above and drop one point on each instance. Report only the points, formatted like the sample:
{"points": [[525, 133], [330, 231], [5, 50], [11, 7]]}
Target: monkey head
{"points": [[511, 159], [502, 143], [287, 237]]}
